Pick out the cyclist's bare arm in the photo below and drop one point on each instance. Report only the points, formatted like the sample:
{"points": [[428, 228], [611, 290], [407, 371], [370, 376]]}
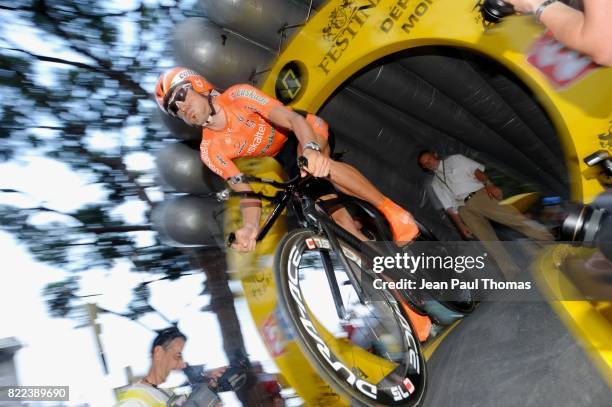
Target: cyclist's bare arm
{"points": [[251, 214], [287, 118], [588, 32], [318, 164], [214, 158], [250, 207], [344, 176]]}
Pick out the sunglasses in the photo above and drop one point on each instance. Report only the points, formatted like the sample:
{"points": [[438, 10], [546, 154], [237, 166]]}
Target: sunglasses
{"points": [[178, 95]]}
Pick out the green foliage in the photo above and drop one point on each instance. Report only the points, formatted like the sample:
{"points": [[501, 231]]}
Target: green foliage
{"points": [[140, 302], [60, 296], [95, 78]]}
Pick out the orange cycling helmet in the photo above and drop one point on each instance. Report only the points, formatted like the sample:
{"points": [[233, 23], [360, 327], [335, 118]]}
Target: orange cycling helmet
{"points": [[174, 78]]}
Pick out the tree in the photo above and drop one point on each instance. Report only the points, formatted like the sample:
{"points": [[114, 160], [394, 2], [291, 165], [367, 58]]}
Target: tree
{"points": [[84, 99]]}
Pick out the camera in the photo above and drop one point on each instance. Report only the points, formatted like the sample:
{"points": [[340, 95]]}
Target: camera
{"points": [[232, 379], [591, 225], [204, 394], [601, 159], [493, 11]]}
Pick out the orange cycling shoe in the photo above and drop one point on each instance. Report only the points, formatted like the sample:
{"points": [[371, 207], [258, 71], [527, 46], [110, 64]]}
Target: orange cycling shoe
{"points": [[402, 223]]}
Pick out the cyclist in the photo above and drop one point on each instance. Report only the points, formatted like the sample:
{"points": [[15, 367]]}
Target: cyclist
{"points": [[245, 122]]}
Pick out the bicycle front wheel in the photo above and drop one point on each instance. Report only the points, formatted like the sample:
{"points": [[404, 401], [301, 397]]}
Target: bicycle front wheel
{"points": [[354, 334]]}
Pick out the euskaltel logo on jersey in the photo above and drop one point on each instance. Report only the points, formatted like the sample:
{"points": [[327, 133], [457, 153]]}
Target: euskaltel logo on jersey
{"points": [[250, 94], [257, 139], [204, 149]]}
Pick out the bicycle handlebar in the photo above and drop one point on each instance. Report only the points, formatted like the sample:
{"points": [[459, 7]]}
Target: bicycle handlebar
{"points": [[302, 163], [224, 195]]}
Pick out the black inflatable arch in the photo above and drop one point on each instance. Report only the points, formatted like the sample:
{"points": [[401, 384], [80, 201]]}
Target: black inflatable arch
{"points": [[450, 100]]}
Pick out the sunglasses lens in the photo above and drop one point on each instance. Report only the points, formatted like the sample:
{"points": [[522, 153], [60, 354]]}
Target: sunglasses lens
{"points": [[173, 109], [179, 96]]}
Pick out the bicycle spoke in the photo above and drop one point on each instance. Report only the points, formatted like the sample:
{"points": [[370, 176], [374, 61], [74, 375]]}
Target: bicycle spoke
{"points": [[358, 336]]}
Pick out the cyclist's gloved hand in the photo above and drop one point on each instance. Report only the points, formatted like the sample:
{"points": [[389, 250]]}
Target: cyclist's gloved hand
{"points": [[245, 239], [318, 164]]}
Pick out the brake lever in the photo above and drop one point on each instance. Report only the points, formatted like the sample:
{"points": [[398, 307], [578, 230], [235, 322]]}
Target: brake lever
{"points": [[231, 238], [302, 162], [303, 165]]}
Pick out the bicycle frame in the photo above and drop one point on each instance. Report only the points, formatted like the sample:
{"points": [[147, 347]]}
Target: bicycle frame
{"points": [[314, 214], [311, 214]]}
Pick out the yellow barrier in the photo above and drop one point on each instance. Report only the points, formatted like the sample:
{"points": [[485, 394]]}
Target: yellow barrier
{"points": [[587, 320], [340, 40], [522, 202]]}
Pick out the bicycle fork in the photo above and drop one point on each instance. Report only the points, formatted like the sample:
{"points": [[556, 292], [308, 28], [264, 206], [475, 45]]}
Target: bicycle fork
{"points": [[330, 232]]}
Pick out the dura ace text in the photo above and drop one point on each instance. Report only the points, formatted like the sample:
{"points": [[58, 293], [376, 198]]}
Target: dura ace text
{"points": [[368, 389]]}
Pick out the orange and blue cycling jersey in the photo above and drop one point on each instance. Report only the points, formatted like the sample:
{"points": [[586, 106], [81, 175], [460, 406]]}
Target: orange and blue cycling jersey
{"points": [[248, 132]]}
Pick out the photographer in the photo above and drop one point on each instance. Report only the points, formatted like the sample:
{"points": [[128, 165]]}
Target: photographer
{"points": [[588, 31], [166, 356]]}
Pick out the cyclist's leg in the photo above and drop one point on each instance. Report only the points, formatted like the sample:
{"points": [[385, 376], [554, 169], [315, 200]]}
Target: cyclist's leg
{"points": [[343, 218], [288, 159], [350, 181]]}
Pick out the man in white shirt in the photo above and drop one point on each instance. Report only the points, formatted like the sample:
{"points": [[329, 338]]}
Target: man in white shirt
{"points": [[166, 356], [471, 200]]}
